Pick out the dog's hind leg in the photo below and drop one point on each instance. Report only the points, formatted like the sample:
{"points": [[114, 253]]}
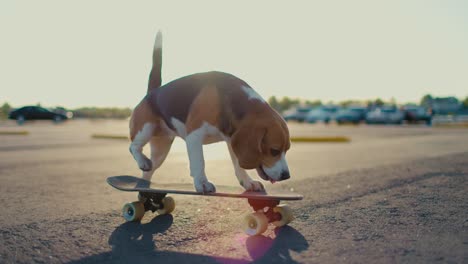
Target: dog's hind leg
{"points": [[160, 146], [139, 140]]}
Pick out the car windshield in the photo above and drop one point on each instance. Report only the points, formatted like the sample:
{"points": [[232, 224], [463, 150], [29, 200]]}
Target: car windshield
{"points": [[388, 110], [329, 109], [303, 110], [41, 110], [415, 109], [351, 110], [317, 111]]}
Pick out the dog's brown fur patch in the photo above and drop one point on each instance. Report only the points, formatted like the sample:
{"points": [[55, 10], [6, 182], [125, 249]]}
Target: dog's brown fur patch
{"points": [[141, 115], [205, 108]]}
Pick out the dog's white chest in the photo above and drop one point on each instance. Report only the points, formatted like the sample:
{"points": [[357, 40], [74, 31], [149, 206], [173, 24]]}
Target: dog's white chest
{"points": [[207, 132]]}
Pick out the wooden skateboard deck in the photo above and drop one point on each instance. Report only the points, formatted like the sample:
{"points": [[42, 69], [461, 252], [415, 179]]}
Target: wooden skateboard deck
{"points": [[135, 184], [152, 197]]}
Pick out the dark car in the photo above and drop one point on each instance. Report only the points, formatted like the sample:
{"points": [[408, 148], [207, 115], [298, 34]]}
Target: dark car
{"points": [[351, 115], [37, 113], [415, 114]]}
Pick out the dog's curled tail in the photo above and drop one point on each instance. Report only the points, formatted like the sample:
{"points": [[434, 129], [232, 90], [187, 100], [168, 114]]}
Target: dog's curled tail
{"points": [[155, 75]]}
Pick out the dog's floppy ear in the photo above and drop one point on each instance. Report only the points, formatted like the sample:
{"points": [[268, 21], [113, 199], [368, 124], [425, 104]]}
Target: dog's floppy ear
{"points": [[246, 143]]}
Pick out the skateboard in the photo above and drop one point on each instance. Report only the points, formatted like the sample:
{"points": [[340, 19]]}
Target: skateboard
{"points": [[153, 197]]}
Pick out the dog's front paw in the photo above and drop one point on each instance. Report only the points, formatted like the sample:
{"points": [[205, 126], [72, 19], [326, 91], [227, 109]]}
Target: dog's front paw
{"points": [[252, 185], [204, 187], [145, 164]]}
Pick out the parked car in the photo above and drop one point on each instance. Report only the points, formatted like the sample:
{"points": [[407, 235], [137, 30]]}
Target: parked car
{"points": [[296, 114], [385, 115], [38, 113], [322, 114], [414, 114], [354, 114], [443, 105]]}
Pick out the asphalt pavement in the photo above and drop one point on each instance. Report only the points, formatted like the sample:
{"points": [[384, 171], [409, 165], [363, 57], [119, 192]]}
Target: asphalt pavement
{"points": [[392, 194]]}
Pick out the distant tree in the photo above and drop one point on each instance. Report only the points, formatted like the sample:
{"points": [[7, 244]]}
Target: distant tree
{"points": [[314, 103], [286, 103], [347, 103], [379, 102], [371, 104], [4, 110], [465, 103], [274, 103], [426, 100]]}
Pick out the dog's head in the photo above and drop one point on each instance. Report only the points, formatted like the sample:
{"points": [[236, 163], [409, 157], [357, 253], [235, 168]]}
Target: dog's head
{"points": [[262, 145]]}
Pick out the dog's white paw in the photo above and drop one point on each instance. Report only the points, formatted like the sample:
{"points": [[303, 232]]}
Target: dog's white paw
{"points": [[145, 164], [252, 185], [204, 187]]}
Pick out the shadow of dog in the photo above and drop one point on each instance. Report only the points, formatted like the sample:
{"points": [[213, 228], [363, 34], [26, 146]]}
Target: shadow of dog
{"points": [[276, 250], [133, 238]]}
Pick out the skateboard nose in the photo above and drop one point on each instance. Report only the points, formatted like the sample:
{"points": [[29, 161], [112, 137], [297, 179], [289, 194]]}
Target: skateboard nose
{"points": [[285, 175]]}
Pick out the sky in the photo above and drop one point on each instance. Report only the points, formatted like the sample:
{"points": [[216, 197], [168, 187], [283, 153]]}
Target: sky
{"points": [[98, 53]]}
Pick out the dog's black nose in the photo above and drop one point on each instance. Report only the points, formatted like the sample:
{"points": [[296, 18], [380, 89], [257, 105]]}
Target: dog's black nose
{"points": [[285, 175]]}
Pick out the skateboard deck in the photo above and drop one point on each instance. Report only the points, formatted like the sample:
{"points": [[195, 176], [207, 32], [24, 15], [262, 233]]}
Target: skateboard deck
{"points": [[152, 197], [135, 184]]}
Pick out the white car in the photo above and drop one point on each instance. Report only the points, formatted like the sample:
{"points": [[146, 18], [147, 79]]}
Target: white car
{"points": [[296, 114], [322, 114], [385, 115]]}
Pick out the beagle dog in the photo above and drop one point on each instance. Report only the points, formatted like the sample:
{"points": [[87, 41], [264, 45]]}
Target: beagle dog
{"points": [[204, 108]]}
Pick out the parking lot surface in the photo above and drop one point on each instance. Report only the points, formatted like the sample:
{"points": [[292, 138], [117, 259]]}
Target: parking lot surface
{"points": [[391, 194]]}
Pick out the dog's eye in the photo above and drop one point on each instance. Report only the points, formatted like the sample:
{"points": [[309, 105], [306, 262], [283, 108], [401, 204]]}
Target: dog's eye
{"points": [[274, 152]]}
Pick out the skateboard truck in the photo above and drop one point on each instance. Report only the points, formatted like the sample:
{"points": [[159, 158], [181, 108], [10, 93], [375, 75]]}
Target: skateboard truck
{"points": [[152, 201], [261, 205], [148, 202]]}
